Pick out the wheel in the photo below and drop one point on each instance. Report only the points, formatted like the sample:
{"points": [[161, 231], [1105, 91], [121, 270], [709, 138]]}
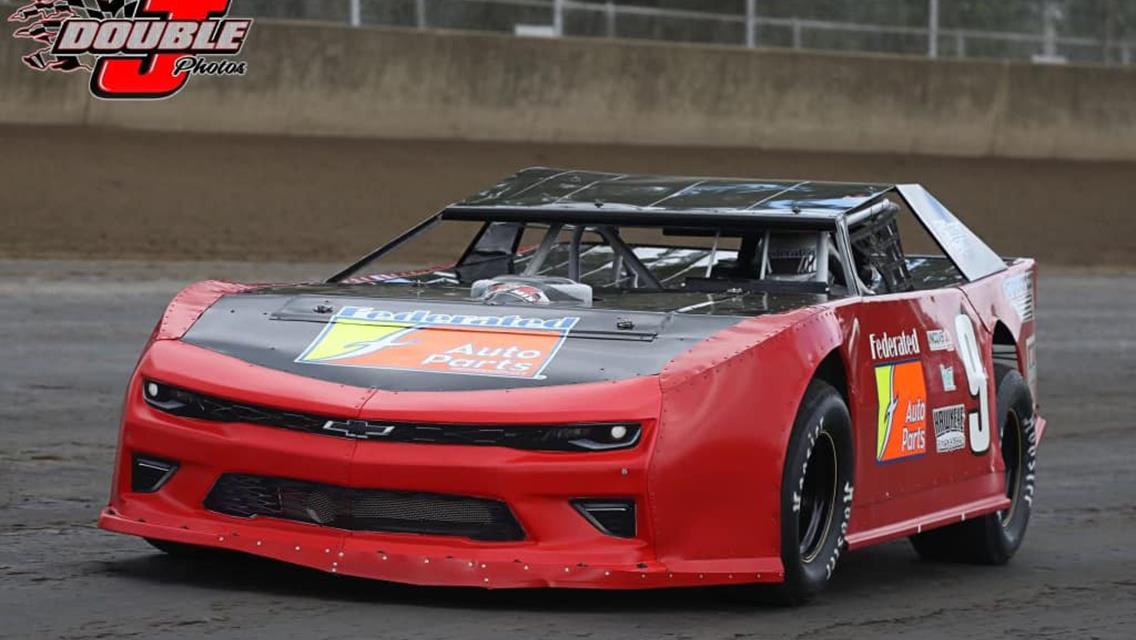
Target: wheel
{"points": [[993, 538], [816, 496]]}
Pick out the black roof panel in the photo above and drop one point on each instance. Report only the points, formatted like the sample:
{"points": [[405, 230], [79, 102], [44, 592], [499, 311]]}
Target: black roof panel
{"points": [[546, 189]]}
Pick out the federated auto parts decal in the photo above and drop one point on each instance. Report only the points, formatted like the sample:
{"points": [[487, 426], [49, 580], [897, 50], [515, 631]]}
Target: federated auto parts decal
{"points": [[902, 421], [133, 49], [509, 346]]}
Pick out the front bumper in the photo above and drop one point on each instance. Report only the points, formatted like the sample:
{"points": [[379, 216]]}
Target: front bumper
{"points": [[561, 548]]}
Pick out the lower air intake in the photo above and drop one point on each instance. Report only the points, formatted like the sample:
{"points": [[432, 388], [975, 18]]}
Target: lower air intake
{"points": [[363, 509], [615, 517], [148, 474]]}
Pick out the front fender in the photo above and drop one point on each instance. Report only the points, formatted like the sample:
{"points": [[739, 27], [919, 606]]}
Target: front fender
{"points": [[727, 412]]}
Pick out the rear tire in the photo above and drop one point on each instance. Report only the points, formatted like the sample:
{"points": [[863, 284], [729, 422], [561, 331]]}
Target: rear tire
{"points": [[994, 538], [816, 497]]}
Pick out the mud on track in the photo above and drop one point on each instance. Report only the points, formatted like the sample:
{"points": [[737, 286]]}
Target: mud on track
{"points": [[73, 331], [83, 192]]}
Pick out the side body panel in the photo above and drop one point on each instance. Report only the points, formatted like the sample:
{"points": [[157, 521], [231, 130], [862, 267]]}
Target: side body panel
{"points": [[906, 374], [956, 471]]}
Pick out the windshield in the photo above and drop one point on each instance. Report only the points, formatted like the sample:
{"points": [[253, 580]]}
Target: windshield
{"points": [[608, 257]]}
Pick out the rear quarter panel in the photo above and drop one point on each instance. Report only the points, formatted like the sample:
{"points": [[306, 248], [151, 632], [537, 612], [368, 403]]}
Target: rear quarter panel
{"points": [[728, 407], [1011, 298]]}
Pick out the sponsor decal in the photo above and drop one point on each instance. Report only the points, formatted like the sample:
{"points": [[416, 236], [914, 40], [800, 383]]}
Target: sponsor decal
{"points": [[946, 228], [901, 425], [1019, 291], [939, 340], [522, 292], [886, 347], [805, 257], [948, 375], [508, 346], [133, 49], [950, 428]]}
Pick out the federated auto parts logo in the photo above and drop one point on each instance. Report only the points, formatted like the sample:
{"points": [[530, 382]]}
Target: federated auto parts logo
{"points": [[901, 425], [421, 340], [133, 49]]}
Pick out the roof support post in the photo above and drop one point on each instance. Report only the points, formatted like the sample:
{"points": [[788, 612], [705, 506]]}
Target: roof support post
{"points": [[822, 258], [620, 247], [847, 261], [386, 248], [549, 241], [574, 253]]}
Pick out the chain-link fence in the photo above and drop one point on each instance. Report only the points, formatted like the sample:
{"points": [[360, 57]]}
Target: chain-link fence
{"points": [[1084, 31], [1091, 31]]}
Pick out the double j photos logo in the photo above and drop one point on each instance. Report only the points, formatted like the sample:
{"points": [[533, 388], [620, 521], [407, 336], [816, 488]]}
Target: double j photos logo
{"points": [[421, 340], [133, 49]]}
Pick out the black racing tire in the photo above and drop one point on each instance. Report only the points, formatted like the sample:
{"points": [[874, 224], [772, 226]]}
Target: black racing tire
{"points": [[816, 497], [994, 538]]}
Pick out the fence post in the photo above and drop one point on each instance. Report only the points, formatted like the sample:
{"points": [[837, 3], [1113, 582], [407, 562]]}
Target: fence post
{"points": [[609, 18], [558, 17], [960, 45], [353, 13], [933, 28], [1051, 15], [751, 23], [420, 13], [797, 38]]}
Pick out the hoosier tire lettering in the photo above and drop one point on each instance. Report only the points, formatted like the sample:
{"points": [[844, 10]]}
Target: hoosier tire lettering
{"points": [[995, 537], [816, 496]]}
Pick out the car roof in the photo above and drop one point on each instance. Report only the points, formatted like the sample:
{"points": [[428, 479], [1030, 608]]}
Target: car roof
{"points": [[565, 194]]}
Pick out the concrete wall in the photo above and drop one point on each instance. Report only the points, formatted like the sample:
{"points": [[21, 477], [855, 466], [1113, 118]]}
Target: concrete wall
{"points": [[310, 79]]}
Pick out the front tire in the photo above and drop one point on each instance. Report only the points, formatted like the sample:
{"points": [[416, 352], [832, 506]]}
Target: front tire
{"points": [[816, 493], [994, 538]]}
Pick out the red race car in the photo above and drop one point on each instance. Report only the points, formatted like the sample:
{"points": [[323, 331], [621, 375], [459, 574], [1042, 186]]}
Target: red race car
{"points": [[616, 382]]}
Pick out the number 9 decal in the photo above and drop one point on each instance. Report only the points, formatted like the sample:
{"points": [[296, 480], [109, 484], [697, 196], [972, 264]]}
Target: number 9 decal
{"points": [[979, 421]]}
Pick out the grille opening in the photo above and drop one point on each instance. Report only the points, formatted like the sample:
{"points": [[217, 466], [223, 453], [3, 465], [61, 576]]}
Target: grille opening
{"points": [[614, 517], [589, 437], [363, 509], [148, 474]]}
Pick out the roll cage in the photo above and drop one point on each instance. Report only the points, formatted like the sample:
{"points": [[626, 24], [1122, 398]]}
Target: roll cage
{"points": [[848, 231]]}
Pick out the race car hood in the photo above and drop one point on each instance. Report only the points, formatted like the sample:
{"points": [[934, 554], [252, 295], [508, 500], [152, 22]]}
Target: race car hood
{"points": [[444, 345]]}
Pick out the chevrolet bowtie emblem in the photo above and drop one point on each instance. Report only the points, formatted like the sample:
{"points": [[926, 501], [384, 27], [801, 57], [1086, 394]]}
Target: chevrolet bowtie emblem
{"points": [[358, 428]]}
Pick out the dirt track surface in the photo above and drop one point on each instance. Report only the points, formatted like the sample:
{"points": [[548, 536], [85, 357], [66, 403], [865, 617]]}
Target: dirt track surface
{"points": [[103, 193], [74, 330]]}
